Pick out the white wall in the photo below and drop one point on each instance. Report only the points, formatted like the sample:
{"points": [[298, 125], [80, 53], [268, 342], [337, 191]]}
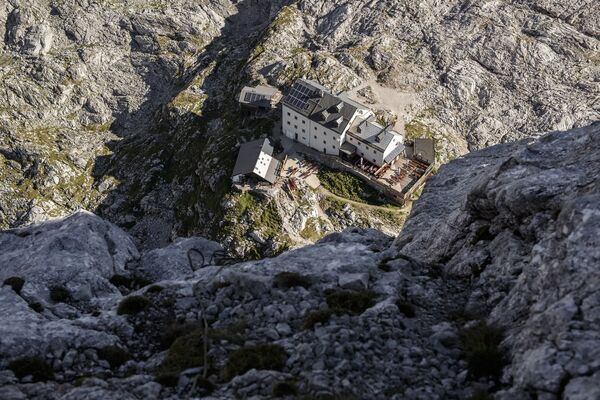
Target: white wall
{"points": [[325, 140], [369, 153], [295, 125], [262, 165]]}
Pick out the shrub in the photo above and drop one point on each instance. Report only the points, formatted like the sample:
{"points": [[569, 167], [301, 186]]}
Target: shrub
{"points": [[481, 346], [406, 308], [287, 280], [34, 366], [59, 294], [121, 280], [128, 282], [15, 283], [167, 379], [174, 331], [154, 289], [204, 386], [185, 352], [233, 332], [133, 305], [114, 355], [353, 301], [265, 356], [284, 389], [316, 317]]}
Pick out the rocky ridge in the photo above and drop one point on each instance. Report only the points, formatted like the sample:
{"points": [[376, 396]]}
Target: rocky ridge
{"points": [[501, 248]]}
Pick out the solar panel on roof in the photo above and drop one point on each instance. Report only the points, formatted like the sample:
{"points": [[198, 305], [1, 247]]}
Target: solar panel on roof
{"points": [[254, 97], [299, 96]]}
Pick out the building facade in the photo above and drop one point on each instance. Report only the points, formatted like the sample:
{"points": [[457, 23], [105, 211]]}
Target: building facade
{"points": [[336, 125], [255, 159]]}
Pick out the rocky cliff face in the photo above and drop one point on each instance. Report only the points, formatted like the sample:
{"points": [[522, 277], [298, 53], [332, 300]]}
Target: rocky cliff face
{"points": [[490, 288], [127, 108], [520, 221]]}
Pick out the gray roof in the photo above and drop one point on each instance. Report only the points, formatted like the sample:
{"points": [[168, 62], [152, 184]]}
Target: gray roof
{"points": [[348, 148], [314, 101], [395, 153], [248, 155], [260, 96], [425, 149], [372, 133], [271, 175]]}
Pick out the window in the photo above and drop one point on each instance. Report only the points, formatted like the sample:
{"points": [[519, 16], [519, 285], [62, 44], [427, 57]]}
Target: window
{"points": [[374, 151], [303, 121], [289, 114], [315, 136], [288, 122], [295, 126], [324, 142], [333, 146], [303, 131], [373, 160], [295, 117], [315, 128]]}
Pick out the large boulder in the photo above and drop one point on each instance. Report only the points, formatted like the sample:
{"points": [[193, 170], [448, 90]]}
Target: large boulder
{"points": [[172, 262], [27, 332], [80, 253]]}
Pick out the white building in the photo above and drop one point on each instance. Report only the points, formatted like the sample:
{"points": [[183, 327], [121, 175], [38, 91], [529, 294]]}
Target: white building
{"points": [[256, 159], [332, 124]]}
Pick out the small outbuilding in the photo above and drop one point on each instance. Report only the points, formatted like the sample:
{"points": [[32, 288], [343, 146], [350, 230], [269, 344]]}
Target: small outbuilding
{"points": [[260, 97], [256, 159], [425, 150]]}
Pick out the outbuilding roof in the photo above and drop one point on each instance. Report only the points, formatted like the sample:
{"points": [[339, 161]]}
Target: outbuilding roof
{"points": [[259, 96], [249, 154], [425, 149]]}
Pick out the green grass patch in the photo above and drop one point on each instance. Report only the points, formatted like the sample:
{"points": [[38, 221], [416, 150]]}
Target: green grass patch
{"points": [[311, 230], [348, 186]]}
